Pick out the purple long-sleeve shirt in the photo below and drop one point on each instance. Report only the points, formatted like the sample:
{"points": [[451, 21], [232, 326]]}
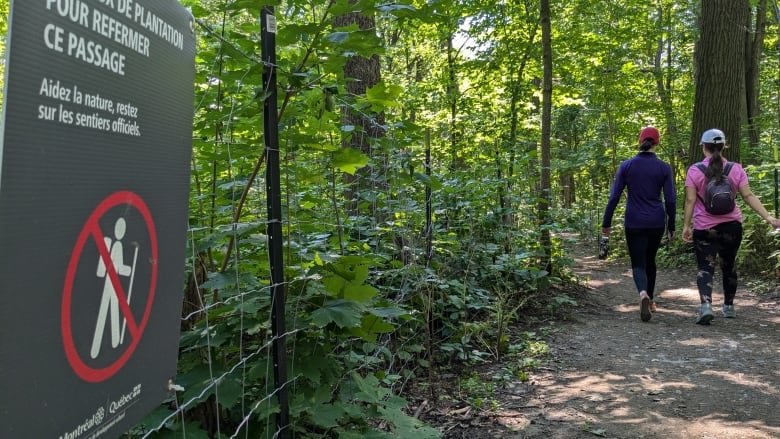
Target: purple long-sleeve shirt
{"points": [[646, 177]]}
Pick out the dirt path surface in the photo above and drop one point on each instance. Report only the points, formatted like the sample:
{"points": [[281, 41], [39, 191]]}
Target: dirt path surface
{"points": [[611, 375]]}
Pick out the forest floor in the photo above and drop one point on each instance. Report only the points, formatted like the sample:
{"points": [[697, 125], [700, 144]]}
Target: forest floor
{"points": [[610, 375]]}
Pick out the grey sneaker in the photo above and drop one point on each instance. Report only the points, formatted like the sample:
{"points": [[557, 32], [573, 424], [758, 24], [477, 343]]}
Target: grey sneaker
{"points": [[729, 312], [705, 314]]}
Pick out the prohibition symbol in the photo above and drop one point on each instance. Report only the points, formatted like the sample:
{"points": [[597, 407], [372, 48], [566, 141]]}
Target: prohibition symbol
{"points": [[112, 296]]}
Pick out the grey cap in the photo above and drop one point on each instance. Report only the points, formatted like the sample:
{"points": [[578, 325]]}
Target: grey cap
{"points": [[713, 136]]}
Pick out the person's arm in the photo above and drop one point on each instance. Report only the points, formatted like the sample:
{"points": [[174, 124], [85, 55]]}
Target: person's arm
{"points": [[752, 200], [670, 203], [614, 198], [690, 199]]}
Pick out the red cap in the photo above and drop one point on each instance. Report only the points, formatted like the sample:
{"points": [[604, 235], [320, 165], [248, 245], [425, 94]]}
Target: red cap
{"points": [[649, 133]]}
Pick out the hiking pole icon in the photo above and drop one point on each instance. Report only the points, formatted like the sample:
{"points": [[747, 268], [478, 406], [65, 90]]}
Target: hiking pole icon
{"points": [[129, 291]]}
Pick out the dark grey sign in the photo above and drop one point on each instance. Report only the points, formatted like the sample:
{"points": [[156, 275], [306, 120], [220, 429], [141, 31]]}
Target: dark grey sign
{"points": [[94, 184]]}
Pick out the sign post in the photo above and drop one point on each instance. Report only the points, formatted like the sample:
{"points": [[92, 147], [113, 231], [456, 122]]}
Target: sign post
{"points": [[94, 185]]}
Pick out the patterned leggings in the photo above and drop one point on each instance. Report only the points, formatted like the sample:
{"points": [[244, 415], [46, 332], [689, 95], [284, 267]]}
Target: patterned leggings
{"points": [[722, 240]]}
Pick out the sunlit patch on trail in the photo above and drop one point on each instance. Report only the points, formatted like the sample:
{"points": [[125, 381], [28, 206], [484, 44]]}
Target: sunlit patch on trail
{"points": [[602, 283], [754, 382], [693, 292]]}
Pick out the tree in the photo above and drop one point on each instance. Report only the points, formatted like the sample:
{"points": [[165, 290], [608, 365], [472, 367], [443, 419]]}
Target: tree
{"points": [[719, 57], [546, 196], [663, 75], [361, 73], [752, 64]]}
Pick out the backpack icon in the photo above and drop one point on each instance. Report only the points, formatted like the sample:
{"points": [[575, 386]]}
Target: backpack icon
{"points": [[718, 194]]}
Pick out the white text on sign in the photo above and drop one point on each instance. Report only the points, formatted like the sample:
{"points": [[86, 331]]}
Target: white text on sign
{"points": [[104, 25], [121, 118]]}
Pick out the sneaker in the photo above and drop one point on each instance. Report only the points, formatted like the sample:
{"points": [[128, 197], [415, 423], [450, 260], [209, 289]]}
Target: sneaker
{"points": [[705, 314], [644, 307], [653, 308], [729, 312]]}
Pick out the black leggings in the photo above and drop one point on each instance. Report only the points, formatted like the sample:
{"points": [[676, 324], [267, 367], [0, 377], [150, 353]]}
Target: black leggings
{"points": [[642, 247], [724, 240]]}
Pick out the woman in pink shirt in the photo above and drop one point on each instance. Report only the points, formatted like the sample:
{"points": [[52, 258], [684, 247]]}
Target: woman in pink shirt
{"points": [[716, 234]]}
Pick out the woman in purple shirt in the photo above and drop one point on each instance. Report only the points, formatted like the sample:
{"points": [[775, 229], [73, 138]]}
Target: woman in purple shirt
{"points": [[646, 176], [716, 234]]}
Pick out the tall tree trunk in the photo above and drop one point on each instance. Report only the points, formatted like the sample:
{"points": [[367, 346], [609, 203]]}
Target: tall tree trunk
{"points": [[515, 88], [568, 189], [546, 196], [502, 201], [515, 92], [719, 59], [453, 93], [360, 74], [663, 82], [753, 52]]}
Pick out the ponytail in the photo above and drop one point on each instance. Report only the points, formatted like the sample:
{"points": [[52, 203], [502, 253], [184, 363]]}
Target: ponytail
{"points": [[646, 144], [715, 167]]}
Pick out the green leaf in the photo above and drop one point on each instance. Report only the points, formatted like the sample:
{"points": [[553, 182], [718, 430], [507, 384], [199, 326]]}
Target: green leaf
{"points": [[230, 393], [396, 7], [219, 281], [382, 96], [334, 285], [360, 292], [260, 369], [376, 325], [344, 313], [327, 415], [388, 312], [338, 37], [427, 180], [352, 268], [407, 426], [310, 369], [349, 160], [369, 389]]}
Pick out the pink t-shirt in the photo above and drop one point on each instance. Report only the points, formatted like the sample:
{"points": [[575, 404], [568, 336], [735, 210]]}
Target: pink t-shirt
{"points": [[703, 220]]}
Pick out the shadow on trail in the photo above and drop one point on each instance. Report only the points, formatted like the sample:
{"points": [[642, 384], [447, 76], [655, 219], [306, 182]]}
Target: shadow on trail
{"points": [[611, 375]]}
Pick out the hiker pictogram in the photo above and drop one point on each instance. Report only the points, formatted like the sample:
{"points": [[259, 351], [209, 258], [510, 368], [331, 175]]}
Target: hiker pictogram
{"points": [[110, 282], [109, 302]]}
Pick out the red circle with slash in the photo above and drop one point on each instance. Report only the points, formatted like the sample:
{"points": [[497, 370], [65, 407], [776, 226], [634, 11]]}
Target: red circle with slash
{"points": [[91, 232]]}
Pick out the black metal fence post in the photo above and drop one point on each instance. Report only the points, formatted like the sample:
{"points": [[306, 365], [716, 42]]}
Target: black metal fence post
{"points": [[274, 228]]}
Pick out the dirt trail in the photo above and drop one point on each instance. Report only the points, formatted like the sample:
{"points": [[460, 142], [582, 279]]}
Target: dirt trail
{"points": [[618, 377], [613, 376]]}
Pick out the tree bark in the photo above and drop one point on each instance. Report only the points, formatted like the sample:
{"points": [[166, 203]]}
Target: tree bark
{"points": [[515, 89], [545, 199], [360, 74], [719, 57], [755, 44], [453, 93], [663, 81]]}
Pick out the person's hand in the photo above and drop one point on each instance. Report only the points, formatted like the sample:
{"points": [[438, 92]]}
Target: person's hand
{"points": [[605, 231], [687, 234], [775, 222]]}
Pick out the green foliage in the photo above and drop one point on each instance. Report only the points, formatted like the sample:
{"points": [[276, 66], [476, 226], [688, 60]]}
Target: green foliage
{"points": [[369, 311], [525, 356], [759, 242]]}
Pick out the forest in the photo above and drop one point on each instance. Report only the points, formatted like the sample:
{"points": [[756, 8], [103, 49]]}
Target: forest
{"points": [[437, 159]]}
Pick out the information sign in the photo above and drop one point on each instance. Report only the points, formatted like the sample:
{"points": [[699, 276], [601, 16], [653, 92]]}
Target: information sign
{"points": [[94, 182]]}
